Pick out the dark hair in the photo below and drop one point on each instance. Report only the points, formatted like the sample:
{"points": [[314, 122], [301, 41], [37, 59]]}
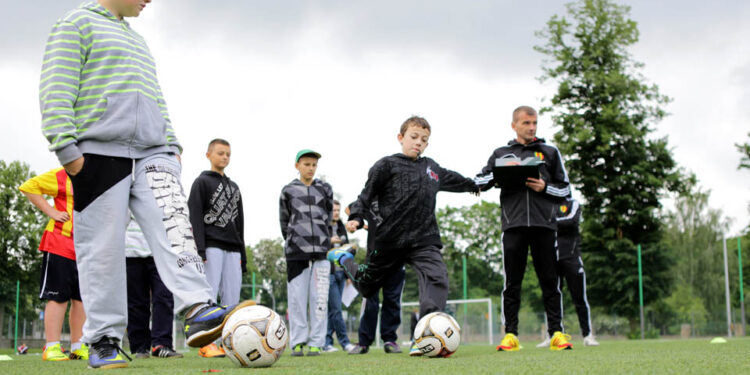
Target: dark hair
{"points": [[524, 108], [215, 141], [336, 202], [415, 121]]}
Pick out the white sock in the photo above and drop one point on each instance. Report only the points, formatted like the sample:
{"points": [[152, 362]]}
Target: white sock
{"points": [[51, 343], [75, 346]]}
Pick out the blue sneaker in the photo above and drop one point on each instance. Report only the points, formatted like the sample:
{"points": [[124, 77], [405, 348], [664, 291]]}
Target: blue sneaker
{"points": [[205, 325], [338, 255], [106, 354]]}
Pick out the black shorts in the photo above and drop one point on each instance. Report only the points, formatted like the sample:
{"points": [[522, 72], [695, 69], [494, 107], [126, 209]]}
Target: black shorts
{"points": [[59, 281]]}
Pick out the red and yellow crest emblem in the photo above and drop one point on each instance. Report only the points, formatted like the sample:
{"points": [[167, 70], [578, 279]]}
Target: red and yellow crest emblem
{"points": [[539, 155], [563, 208]]}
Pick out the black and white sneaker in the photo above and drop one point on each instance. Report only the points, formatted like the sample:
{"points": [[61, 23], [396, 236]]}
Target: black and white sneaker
{"points": [[204, 325], [162, 351]]}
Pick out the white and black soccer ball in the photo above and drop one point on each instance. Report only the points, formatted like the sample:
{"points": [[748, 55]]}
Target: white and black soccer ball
{"points": [[254, 336], [437, 335]]}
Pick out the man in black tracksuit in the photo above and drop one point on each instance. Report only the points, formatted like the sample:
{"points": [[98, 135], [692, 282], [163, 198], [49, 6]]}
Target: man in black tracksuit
{"points": [[528, 220], [405, 186]]}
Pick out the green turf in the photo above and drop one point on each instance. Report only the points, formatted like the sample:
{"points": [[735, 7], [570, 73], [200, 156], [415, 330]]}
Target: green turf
{"points": [[613, 357]]}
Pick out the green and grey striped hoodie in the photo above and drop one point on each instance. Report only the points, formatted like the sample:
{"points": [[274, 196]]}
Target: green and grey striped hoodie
{"points": [[98, 91]]}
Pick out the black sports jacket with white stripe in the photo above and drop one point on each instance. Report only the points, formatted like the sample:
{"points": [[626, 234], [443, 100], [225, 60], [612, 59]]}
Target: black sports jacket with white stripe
{"points": [[568, 235], [525, 207]]}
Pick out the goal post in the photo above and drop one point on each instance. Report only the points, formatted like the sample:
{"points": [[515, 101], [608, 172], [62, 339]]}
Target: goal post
{"points": [[475, 320]]}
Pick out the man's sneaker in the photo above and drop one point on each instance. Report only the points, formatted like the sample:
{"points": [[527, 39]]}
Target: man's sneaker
{"points": [[204, 326], [329, 349], [544, 343], [337, 255], [142, 355], [162, 351], [54, 353], [297, 351], [510, 343], [106, 353], [80, 353], [348, 347], [359, 349], [211, 351], [313, 351], [414, 350], [391, 347], [590, 341], [560, 341]]}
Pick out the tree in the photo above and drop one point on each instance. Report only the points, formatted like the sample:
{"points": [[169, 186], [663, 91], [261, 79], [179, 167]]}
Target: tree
{"points": [[21, 226], [744, 149], [269, 263], [605, 112]]}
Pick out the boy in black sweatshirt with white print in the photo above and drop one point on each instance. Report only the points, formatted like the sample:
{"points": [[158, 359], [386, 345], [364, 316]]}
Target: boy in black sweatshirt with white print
{"points": [[216, 215]]}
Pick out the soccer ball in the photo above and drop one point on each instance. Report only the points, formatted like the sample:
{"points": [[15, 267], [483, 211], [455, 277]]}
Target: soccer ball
{"points": [[254, 336], [437, 335]]}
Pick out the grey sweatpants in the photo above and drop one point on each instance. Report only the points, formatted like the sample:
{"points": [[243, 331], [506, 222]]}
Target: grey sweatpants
{"points": [[307, 293], [224, 274], [150, 187]]}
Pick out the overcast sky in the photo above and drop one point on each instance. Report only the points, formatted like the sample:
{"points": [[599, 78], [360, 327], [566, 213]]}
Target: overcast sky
{"points": [[273, 77]]}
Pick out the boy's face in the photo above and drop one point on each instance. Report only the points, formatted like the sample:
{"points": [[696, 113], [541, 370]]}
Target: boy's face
{"points": [[219, 155], [336, 212], [130, 8], [307, 165], [414, 141]]}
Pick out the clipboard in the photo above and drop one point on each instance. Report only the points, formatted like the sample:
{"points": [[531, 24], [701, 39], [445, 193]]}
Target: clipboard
{"points": [[511, 173]]}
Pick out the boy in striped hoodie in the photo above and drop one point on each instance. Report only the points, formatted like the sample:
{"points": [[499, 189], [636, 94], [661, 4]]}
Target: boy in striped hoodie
{"points": [[104, 116]]}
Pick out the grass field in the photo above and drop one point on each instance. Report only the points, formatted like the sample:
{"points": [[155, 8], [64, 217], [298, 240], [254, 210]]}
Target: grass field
{"points": [[695, 356]]}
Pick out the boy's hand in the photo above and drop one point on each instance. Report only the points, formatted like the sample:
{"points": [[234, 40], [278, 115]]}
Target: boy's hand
{"points": [[335, 239], [74, 167], [60, 216], [352, 226], [535, 184]]}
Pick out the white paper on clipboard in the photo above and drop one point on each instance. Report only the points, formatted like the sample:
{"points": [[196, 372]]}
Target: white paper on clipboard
{"points": [[348, 295]]}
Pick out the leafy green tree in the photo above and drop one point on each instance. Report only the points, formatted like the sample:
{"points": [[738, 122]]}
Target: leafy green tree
{"points": [[269, 264], [21, 226], [606, 112], [744, 149]]}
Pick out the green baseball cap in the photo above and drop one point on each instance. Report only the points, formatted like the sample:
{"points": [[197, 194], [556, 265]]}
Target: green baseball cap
{"points": [[306, 152]]}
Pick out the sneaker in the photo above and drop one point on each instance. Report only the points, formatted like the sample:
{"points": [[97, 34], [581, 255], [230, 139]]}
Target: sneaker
{"points": [[414, 350], [348, 347], [80, 353], [329, 349], [510, 343], [544, 343], [391, 347], [142, 355], [205, 325], [313, 351], [560, 341], [106, 353], [590, 341], [359, 349], [210, 351], [297, 351], [338, 255], [54, 353], [162, 351]]}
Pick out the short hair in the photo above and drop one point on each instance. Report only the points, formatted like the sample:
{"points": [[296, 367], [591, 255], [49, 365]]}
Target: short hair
{"points": [[524, 108], [415, 121], [215, 141], [336, 203]]}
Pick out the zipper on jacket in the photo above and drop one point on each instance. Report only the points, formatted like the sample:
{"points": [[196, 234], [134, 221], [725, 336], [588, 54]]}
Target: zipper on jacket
{"points": [[528, 213], [312, 225]]}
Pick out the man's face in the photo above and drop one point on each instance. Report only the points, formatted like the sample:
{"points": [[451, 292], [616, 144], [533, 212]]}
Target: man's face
{"points": [[219, 156], [525, 128], [131, 8], [414, 141], [336, 212], [307, 165]]}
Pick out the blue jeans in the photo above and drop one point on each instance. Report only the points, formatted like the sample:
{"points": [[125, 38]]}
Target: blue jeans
{"points": [[335, 317], [390, 315]]}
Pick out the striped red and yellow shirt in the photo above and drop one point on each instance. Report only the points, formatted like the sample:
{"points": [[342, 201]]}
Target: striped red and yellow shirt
{"points": [[57, 237]]}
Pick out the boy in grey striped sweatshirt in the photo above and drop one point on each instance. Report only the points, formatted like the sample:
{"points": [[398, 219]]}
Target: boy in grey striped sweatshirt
{"points": [[104, 116]]}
